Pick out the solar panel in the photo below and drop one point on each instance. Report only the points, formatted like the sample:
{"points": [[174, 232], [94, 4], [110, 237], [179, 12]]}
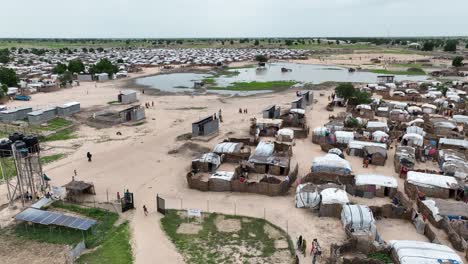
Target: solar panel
{"points": [[54, 218]]}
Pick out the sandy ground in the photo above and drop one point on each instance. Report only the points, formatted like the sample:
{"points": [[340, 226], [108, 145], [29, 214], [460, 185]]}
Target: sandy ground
{"points": [[139, 161]]}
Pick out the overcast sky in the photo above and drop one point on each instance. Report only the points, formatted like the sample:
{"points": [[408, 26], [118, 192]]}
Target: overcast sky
{"points": [[231, 18]]}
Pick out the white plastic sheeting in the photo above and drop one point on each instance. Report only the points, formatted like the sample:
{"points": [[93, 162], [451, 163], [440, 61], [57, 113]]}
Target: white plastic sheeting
{"points": [[210, 158], [453, 142], [286, 132], [226, 147], [377, 124], [336, 151], [415, 121], [321, 131], [356, 144], [306, 199], [431, 204], [414, 139], [334, 196], [380, 136], [264, 149], [416, 252], [330, 163], [297, 111], [460, 119], [414, 109], [374, 179], [415, 130], [357, 217], [344, 137], [363, 106], [222, 175], [431, 180]]}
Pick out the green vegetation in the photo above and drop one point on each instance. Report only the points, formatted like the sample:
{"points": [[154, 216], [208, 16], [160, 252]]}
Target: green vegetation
{"points": [[181, 87], [9, 168], [65, 134], [114, 249], [4, 56], [209, 81], [104, 66], [256, 86], [428, 46], [51, 158], [213, 246], [55, 124], [451, 45], [76, 66], [457, 61], [60, 68], [353, 95], [385, 258], [8, 77], [261, 58], [413, 71], [408, 65]]}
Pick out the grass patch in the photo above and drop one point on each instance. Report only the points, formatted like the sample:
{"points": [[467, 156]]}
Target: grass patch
{"points": [[248, 66], [408, 65], [115, 248], [381, 256], [51, 158], [213, 246], [209, 81], [181, 87], [65, 134], [113, 102], [256, 86], [414, 71], [9, 168], [55, 124]]}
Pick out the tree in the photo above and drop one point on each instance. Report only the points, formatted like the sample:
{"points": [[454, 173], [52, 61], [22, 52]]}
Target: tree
{"points": [[76, 66], [120, 61], [8, 77], [4, 56], [261, 58], [256, 43], [85, 50], [360, 98], [345, 90], [466, 47], [232, 42], [451, 46], [457, 61], [104, 66], [66, 78], [428, 46], [60, 68], [288, 42], [3, 90]]}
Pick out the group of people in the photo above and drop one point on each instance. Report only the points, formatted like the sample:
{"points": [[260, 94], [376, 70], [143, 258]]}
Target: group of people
{"points": [[315, 250], [243, 111], [148, 104]]}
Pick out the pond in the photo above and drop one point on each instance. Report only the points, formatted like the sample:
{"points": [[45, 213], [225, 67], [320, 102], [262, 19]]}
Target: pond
{"points": [[304, 73]]}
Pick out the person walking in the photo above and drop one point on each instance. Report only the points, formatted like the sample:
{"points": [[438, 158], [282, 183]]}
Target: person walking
{"points": [[304, 247], [89, 156], [74, 171], [297, 259], [145, 210], [299, 243], [315, 250]]}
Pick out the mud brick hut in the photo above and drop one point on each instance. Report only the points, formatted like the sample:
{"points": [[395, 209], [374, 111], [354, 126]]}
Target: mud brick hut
{"points": [[373, 185], [332, 201], [205, 127], [432, 185], [232, 151], [416, 252]]}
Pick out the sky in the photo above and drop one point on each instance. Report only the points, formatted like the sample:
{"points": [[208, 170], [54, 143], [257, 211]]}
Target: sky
{"points": [[231, 18]]}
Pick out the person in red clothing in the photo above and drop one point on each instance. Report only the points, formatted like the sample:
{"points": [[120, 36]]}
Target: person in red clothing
{"points": [[315, 250]]}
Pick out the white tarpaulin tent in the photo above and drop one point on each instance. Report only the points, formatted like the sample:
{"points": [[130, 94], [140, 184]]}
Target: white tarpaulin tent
{"points": [[286, 132], [415, 130], [380, 136], [334, 196], [321, 131], [414, 139], [331, 163], [374, 179], [223, 175], [416, 252], [344, 136], [431, 180], [307, 198], [357, 217]]}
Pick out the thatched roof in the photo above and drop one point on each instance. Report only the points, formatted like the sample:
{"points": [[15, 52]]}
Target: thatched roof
{"points": [[78, 186]]}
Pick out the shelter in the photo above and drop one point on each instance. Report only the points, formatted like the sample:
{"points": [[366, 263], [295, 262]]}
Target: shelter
{"points": [[412, 139], [382, 111], [307, 196], [404, 160], [15, 114], [127, 97], [364, 111], [438, 209], [84, 77], [344, 137], [285, 135], [208, 162], [102, 77], [373, 126], [205, 127], [42, 116], [376, 155], [357, 218], [298, 103], [383, 79], [356, 147], [428, 108], [432, 185], [75, 189], [331, 164], [380, 136], [320, 134], [265, 160], [68, 109], [456, 144], [415, 130], [371, 185], [232, 152], [331, 202], [267, 127], [308, 97], [416, 252], [271, 112]]}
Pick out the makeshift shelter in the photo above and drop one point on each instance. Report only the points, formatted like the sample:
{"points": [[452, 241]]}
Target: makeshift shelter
{"points": [[398, 115], [377, 155], [127, 96], [456, 144], [320, 134], [356, 147], [414, 110], [220, 181], [412, 139], [102, 77], [453, 163], [271, 112], [76, 189], [382, 111], [208, 162], [331, 202], [380, 136], [432, 185], [307, 196], [416, 252], [383, 79], [15, 114], [438, 209], [68, 109], [267, 127], [364, 111], [428, 108], [298, 103], [371, 185], [205, 127], [404, 160], [415, 130], [121, 114], [265, 160], [356, 218], [335, 125], [84, 77], [460, 119], [285, 135], [373, 126], [343, 137], [331, 164], [232, 152], [337, 152]]}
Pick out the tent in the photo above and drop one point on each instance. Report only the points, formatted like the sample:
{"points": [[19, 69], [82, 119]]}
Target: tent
{"points": [[414, 139], [380, 136], [307, 196], [331, 163], [344, 137], [357, 217], [416, 252]]}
